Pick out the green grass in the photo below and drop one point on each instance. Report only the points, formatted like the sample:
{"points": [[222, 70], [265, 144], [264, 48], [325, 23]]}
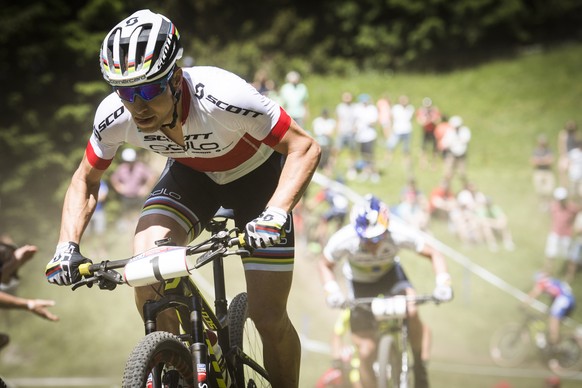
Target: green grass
{"points": [[505, 103]]}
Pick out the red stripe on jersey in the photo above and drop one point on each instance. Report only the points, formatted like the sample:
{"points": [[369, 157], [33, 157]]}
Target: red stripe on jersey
{"points": [[94, 160], [242, 151], [279, 130]]}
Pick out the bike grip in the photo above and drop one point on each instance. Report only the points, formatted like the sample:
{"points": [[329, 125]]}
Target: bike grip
{"points": [[84, 269], [241, 239]]}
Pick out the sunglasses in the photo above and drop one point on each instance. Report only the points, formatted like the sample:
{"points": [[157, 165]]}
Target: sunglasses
{"points": [[147, 92]]}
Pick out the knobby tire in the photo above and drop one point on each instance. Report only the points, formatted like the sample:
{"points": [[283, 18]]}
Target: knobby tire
{"points": [[569, 358], [388, 362], [510, 345], [244, 335], [158, 350]]}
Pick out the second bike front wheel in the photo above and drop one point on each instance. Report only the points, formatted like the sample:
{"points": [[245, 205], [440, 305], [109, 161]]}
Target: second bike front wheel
{"points": [[160, 359], [248, 362], [510, 345], [389, 363]]}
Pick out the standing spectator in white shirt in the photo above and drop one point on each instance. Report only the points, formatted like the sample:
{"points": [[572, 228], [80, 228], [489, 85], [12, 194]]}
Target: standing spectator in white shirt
{"points": [[323, 129], [402, 115], [366, 135], [575, 170], [346, 129], [456, 141]]}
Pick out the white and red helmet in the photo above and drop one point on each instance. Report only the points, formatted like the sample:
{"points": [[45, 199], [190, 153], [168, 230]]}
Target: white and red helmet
{"points": [[140, 49]]}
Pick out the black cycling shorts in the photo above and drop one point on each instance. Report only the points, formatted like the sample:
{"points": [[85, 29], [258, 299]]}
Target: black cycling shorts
{"points": [[394, 282], [191, 199]]}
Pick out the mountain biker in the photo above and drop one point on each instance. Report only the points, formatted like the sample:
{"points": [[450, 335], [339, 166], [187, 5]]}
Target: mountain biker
{"points": [[369, 244], [562, 305], [226, 144]]}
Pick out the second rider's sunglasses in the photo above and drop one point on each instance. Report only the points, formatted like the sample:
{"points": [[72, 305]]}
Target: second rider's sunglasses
{"points": [[147, 92]]}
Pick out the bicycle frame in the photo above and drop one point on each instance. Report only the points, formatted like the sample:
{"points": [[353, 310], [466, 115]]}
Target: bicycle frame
{"points": [[180, 293], [393, 323]]}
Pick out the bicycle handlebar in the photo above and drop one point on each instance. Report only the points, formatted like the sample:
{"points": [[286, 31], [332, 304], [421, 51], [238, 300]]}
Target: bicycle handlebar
{"points": [[395, 306], [147, 268], [367, 301]]}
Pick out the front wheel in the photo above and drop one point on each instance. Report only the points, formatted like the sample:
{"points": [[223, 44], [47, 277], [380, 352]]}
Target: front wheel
{"points": [[245, 339], [389, 363], [159, 359], [510, 345], [568, 358]]}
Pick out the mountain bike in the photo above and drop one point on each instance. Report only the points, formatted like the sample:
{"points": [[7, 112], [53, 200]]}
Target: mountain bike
{"points": [[217, 347], [393, 362], [514, 342]]}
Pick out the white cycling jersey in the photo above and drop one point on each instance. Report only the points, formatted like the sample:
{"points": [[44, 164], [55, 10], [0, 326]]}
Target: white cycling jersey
{"points": [[367, 267], [229, 128]]}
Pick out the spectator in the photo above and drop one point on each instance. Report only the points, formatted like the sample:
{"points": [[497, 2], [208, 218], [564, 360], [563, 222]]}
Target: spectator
{"points": [[132, 180], [575, 170], [335, 214], [567, 137], [413, 206], [544, 181], [346, 129], [402, 114], [294, 96], [98, 223], [442, 201], [494, 223], [563, 214], [456, 142], [385, 115], [323, 129], [439, 133], [552, 382], [366, 134], [467, 226], [263, 83], [428, 116], [12, 258]]}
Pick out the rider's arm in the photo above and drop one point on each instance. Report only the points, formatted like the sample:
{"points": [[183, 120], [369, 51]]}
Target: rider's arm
{"points": [[302, 156], [80, 201], [326, 270], [439, 264]]}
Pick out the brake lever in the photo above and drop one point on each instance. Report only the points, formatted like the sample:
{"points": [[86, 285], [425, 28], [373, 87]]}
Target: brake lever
{"points": [[242, 252], [209, 256], [85, 282]]}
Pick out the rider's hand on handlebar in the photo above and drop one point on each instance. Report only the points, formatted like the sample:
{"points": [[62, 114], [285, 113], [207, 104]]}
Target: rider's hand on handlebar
{"points": [[443, 291], [334, 295], [266, 230], [63, 269]]}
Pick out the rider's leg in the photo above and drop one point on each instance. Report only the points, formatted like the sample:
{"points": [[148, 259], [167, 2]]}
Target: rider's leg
{"points": [[268, 292], [554, 330], [426, 343], [416, 338], [150, 229], [365, 342]]}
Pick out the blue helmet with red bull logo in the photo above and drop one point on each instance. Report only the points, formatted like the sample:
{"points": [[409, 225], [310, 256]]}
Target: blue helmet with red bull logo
{"points": [[370, 218]]}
